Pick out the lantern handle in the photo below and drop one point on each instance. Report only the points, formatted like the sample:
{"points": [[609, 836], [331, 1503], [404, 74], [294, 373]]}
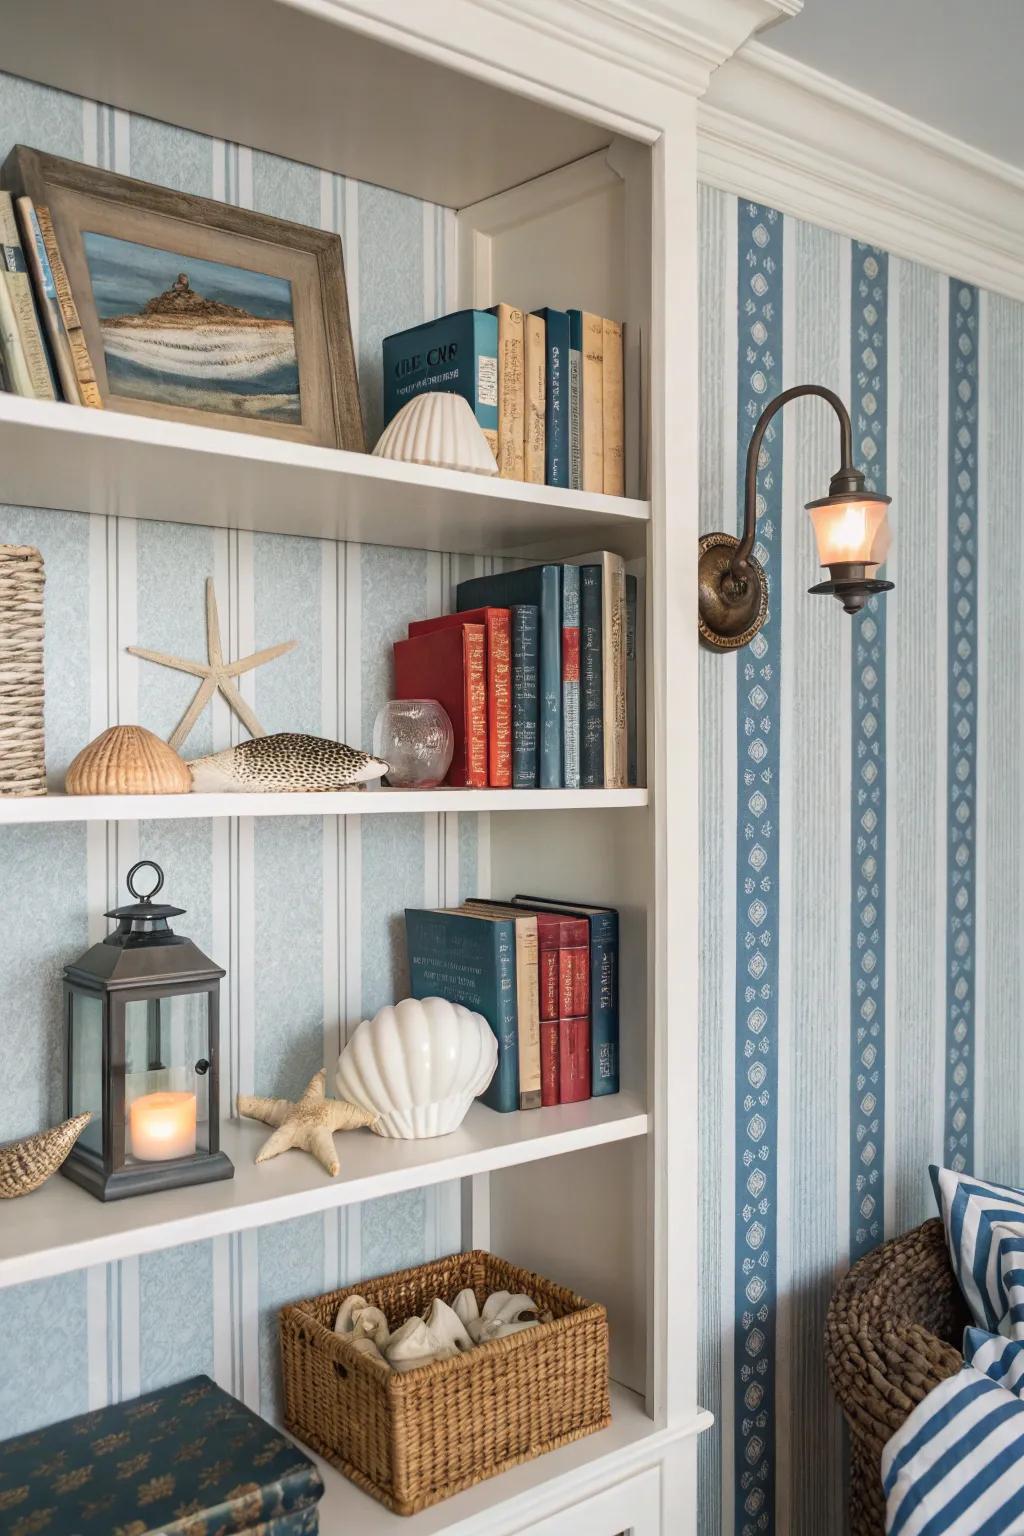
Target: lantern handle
{"points": [[145, 864]]}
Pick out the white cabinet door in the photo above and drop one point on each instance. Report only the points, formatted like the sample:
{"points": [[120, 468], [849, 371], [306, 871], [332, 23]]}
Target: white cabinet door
{"points": [[629, 1508]]}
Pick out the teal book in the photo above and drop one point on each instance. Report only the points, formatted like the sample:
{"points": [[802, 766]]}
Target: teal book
{"points": [[457, 355], [540, 585], [471, 959], [185, 1457], [556, 398]]}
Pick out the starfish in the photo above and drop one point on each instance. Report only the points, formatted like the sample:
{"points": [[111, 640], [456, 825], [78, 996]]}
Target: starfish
{"points": [[310, 1123], [216, 673]]}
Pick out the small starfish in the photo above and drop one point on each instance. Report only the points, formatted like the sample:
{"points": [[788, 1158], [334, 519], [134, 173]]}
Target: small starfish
{"points": [[309, 1124], [216, 673]]}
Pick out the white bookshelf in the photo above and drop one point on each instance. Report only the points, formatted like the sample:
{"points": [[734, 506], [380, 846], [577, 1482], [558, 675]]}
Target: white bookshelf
{"points": [[564, 134], [16, 810], [64, 1228], [57, 455]]}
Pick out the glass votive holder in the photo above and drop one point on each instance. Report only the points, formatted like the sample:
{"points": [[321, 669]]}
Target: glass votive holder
{"points": [[415, 737]]}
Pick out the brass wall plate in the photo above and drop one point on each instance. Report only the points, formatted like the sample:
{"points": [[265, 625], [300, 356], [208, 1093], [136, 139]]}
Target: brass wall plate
{"points": [[727, 621]]}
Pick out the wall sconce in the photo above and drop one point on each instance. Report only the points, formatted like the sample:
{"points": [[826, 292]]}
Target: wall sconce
{"points": [[850, 526]]}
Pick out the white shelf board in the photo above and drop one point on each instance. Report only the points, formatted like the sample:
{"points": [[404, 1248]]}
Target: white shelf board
{"points": [[289, 76], [503, 1503], [372, 802], [79, 460], [62, 1227]]}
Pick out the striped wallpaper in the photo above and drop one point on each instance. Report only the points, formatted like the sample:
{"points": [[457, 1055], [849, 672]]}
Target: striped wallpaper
{"points": [[862, 876], [305, 914]]}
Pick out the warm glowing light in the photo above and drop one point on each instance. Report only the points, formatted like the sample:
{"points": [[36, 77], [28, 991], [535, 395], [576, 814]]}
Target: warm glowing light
{"points": [[163, 1125], [851, 532]]}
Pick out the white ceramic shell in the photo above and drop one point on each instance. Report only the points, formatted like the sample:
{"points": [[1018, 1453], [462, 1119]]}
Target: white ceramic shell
{"points": [[436, 428], [418, 1064]]}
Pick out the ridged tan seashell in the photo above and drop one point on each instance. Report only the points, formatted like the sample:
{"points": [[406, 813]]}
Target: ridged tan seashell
{"points": [[26, 1164], [435, 428], [128, 760]]}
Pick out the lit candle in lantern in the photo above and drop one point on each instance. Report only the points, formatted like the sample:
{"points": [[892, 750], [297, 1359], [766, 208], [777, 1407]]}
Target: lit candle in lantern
{"points": [[163, 1125]]}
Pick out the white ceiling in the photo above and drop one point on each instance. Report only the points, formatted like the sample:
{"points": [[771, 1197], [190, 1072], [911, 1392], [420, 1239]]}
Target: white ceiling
{"points": [[955, 64]]}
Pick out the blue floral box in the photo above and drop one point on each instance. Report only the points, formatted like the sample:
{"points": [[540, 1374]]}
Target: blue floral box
{"points": [[188, 1460]]}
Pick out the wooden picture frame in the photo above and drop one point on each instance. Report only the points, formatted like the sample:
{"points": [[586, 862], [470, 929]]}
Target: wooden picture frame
{"points": [[278, 361]]}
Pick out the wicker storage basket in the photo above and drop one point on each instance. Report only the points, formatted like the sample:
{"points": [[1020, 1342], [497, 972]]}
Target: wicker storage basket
{"points": [[22, 760], [411, 1439]]}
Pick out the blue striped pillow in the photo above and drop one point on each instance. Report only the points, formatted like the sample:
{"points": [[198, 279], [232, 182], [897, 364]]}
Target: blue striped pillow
{"points": [[999, 1359], [957, 1463], [985, 1236]]}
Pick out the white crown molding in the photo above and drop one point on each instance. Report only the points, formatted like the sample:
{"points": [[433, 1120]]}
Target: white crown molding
{"points": [[775, 130], [679, 43]]}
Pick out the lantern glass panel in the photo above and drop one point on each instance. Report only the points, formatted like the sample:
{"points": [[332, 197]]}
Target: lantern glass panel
{"points": [[166, 1084], [86, 1066]]}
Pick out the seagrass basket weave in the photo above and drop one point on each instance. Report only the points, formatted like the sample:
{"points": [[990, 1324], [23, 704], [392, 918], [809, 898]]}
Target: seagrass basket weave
{"points": [[411, 1439], [22, 759], [894, 1330]]}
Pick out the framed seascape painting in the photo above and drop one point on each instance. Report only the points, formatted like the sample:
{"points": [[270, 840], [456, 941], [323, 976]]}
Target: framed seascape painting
{"points": [[199, 311]]}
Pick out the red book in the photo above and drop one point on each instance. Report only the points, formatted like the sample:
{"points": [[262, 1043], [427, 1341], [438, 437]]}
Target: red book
{"points": [[498, 645], [573, 1060], [563, 966], [448, 665]]}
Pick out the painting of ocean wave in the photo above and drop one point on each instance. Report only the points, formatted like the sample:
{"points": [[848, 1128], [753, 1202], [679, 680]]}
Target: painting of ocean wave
{"points": [[190, 332]]}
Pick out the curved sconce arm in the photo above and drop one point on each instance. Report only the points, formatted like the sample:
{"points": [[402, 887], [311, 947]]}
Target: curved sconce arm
{"points": [[733, 591]]}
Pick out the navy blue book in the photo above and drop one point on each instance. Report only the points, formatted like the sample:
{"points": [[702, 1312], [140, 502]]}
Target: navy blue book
{"points": [[591, 680], [540, 585], [457, 354], [556, 408], [604, 986], [631, 682], [524, 627], [575, 399], [470, 958]]}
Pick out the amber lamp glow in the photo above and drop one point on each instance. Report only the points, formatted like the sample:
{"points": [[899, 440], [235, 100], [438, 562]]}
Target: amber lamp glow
{"points": [[851, 528]]}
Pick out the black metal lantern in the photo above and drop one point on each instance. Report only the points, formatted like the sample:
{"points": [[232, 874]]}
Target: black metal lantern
{"points": [[141, 1010]]}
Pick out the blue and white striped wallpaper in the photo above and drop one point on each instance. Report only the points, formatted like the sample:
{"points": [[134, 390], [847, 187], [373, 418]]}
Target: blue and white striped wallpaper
{"points": [[862, 876], [305, 914]]}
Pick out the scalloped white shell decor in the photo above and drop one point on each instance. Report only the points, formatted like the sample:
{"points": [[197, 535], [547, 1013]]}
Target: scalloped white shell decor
{"points": [[440, 429], [418, 1065]]}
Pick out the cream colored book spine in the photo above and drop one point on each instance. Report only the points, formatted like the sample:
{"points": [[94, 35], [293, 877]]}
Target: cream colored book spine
{"points": [[592, 393], [85, 373], [511, 393], [527, 993], [536, 397], [19, 287], [49, 307], [15, 366], [612, 403]]}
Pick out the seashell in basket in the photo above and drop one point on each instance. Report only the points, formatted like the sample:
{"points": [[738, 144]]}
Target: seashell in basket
{"points": [[440, 429], [26, 1164], [127, 760], [418, 1065], [287, 762]]}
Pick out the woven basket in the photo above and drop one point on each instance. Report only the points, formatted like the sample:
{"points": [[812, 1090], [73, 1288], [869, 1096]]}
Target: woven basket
{"points": [[411, 1439], [22, 760], [895, 1324]]}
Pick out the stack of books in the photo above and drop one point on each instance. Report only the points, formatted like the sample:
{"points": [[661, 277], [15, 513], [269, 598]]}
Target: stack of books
{"points": [[545, 976], [546, 388], [538, 671], [42, 346]]}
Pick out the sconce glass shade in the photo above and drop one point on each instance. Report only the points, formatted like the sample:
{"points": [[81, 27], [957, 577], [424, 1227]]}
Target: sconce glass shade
{"points": [[851, 529]]}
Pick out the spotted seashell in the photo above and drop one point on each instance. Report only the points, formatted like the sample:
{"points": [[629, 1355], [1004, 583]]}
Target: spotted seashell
{"points": [[285, 763]]}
